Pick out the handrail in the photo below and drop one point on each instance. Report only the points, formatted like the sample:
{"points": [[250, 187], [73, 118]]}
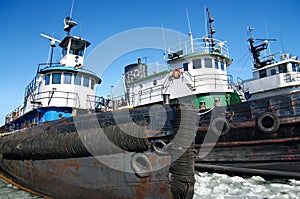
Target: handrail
{"points": [[42, 66], [40, 96], [195, 78], [201, 45], [19, 111]]}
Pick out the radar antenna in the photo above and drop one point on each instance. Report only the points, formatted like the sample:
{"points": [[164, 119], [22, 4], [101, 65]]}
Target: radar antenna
{"points": [[52, 44], [69, 24], [53, 40], [256, 49]]}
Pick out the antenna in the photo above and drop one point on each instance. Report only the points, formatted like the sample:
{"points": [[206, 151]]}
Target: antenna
{"points": [[205, 27], [164, 40], [188, 19], [69, 24], [211, 31], [250, 29], [52, 44], [71, 12], [190, 30]]}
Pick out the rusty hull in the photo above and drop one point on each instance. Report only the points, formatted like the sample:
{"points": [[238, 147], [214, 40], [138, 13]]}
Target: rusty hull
{"points": [[87, 177], [246, 149]]}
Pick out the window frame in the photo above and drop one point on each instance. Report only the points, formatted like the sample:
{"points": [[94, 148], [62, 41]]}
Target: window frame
{"points": [[76, 78], [86, 81], [216, 63], [197, 63], [208, 60], [47, 81], [67, 75], [262, 73], [93, 84], [56, 80]]}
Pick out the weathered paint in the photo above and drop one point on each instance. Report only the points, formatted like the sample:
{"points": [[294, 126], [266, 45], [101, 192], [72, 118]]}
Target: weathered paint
{"points": [[247, 149], [88, 178]]}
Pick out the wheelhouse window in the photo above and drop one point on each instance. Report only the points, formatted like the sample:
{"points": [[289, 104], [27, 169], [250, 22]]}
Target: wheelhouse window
{"points": [[86, 81], [208, 63], [295, 67], [282, 68], [273, 71], [92, 84], [56, 78], [77, 79], [216, 64], [67, 78], [77, 47], [197, 63], [47, 79], [222, 66], [262, 73]]}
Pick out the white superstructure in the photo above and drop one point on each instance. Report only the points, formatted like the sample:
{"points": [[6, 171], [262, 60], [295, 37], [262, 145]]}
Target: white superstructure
{"points": [[59, 89], [197, 69], [271, 76]]}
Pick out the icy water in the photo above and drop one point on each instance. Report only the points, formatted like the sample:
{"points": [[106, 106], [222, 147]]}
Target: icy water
{"points": [[210, 186]]}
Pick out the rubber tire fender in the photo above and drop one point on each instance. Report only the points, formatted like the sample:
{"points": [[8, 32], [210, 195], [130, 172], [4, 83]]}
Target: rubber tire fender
{"points": [[262, 125]]}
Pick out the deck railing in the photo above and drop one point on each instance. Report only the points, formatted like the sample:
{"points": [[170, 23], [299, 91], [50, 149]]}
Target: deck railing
{"points": [[201, 45]]}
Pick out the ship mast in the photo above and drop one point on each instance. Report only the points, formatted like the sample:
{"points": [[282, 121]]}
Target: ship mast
{"points": [[211, 31], [256, 49]]}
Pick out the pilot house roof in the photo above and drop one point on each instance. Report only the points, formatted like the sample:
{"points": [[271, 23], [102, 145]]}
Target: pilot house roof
{"points": [[77, 42]]}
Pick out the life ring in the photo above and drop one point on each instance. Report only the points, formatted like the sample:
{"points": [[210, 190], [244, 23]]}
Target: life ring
{"points": [[268, 122], [141, 165], [176, 73], [220, 126]]}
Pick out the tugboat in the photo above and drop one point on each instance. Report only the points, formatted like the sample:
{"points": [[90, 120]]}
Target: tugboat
{"points": [[62, 142], [261, 135], [281, 74], [246, 127], [196, 75]]}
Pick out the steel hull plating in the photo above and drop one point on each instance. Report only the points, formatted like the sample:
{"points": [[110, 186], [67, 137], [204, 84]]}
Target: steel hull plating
{"points": [[259, 137], [87, 178], [90, 156], [76, 158]]}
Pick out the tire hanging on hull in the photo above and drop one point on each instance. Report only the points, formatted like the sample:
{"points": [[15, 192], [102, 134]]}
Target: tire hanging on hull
{"points": [[268, 122]]}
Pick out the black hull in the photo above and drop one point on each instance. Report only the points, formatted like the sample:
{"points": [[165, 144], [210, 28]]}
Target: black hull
{"points": [[247, 147], [272, 170], [74, 158], [271, 159]]}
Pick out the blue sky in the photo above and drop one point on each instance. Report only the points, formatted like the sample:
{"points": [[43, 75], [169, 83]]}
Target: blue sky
{"points": [[22, 47]]}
